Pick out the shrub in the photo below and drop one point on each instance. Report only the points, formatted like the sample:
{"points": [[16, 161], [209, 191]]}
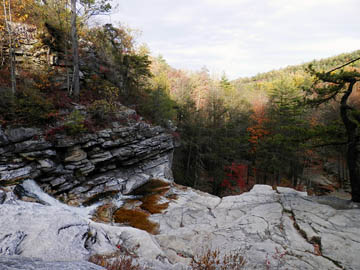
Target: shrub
{"points": [[212, 260], [32, 107], [50, 133], [122, 262], [6, 105], [104, 213], [60, 99], [101, 111], [75, 123]]}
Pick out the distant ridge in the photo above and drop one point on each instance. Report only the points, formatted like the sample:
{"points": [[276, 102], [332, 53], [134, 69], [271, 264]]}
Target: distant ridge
{"points": [[322, 64]]}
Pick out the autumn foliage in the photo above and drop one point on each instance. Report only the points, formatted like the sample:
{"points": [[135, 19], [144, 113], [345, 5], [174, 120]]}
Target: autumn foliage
{"points": [[235, 176], [257, 129]]}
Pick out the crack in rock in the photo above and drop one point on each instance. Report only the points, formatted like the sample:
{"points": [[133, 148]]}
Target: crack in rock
{"points": [[70, 226], [10, 243], [315, 240]]}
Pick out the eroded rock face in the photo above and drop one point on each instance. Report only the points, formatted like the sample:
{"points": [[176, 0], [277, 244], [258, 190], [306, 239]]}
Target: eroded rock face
{"points": [[272, 229], [81, 167]]}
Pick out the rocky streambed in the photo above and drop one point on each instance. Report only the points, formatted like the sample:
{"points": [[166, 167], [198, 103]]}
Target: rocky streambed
{"points": [[271, 229]]}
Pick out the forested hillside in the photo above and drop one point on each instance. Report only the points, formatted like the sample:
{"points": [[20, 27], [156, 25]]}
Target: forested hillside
{"points": [[231, 134], [263, 129]]}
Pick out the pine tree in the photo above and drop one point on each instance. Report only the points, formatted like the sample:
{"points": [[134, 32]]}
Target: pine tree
{"points": [[339, 85]]}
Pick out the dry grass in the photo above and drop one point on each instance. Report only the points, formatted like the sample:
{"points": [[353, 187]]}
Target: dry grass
{"points": [[172, 197], [135, 218], [122, 262], [104, 213], [151, 205], [150, 193], [211, 260]]}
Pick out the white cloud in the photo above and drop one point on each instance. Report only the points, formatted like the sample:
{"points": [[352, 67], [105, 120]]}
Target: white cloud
{"points": [[244, 37]]}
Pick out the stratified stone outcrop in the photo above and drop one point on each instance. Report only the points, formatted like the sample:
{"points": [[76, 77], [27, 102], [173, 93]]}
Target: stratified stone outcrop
{"points": [[77, 168]]}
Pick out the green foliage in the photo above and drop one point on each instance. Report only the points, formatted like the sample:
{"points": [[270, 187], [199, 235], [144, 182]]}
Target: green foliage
{"points": [[157, 106], [100, 111], [105, 102], [95, 7], [6, 105], [54, 36], [74, 124], [125, 68], [30, 107]]}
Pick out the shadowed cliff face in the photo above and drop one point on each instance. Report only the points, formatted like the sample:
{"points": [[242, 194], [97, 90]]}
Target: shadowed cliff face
{"points": [[116, 159]]}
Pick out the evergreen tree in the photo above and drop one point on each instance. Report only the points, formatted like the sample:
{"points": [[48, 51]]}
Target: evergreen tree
{"points": [[339, 85]]}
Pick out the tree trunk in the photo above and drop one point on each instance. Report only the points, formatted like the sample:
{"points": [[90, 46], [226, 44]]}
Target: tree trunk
{"points": [[75, 48], [353, 157], [352, 125], [11, 48], [248, 174]]}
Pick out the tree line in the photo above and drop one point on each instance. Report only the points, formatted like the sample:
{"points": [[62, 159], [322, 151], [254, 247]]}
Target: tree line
{"points": [[266, 129], [233, 134]]}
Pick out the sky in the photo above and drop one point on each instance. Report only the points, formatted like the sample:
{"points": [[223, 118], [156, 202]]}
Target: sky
{"points": [[242, 38]]}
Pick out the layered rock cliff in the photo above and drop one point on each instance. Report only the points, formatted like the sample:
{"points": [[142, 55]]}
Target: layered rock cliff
{"points": [[75, 169]]}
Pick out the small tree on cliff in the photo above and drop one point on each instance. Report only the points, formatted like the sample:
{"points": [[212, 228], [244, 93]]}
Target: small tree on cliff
{"points": [[339, 86], [91, 8], [8, 23], [75, 48]]}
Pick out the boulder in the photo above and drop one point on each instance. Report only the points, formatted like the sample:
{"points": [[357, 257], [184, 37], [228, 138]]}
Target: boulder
{"points": [[26, 263], [38, 154], [32, 145], [100, 157], [75, 154], [62, 235], [16, 174], [21, 134]]}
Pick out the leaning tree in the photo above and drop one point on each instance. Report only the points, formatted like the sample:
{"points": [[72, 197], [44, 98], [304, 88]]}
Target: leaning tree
{"points": [[338, 84]]}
